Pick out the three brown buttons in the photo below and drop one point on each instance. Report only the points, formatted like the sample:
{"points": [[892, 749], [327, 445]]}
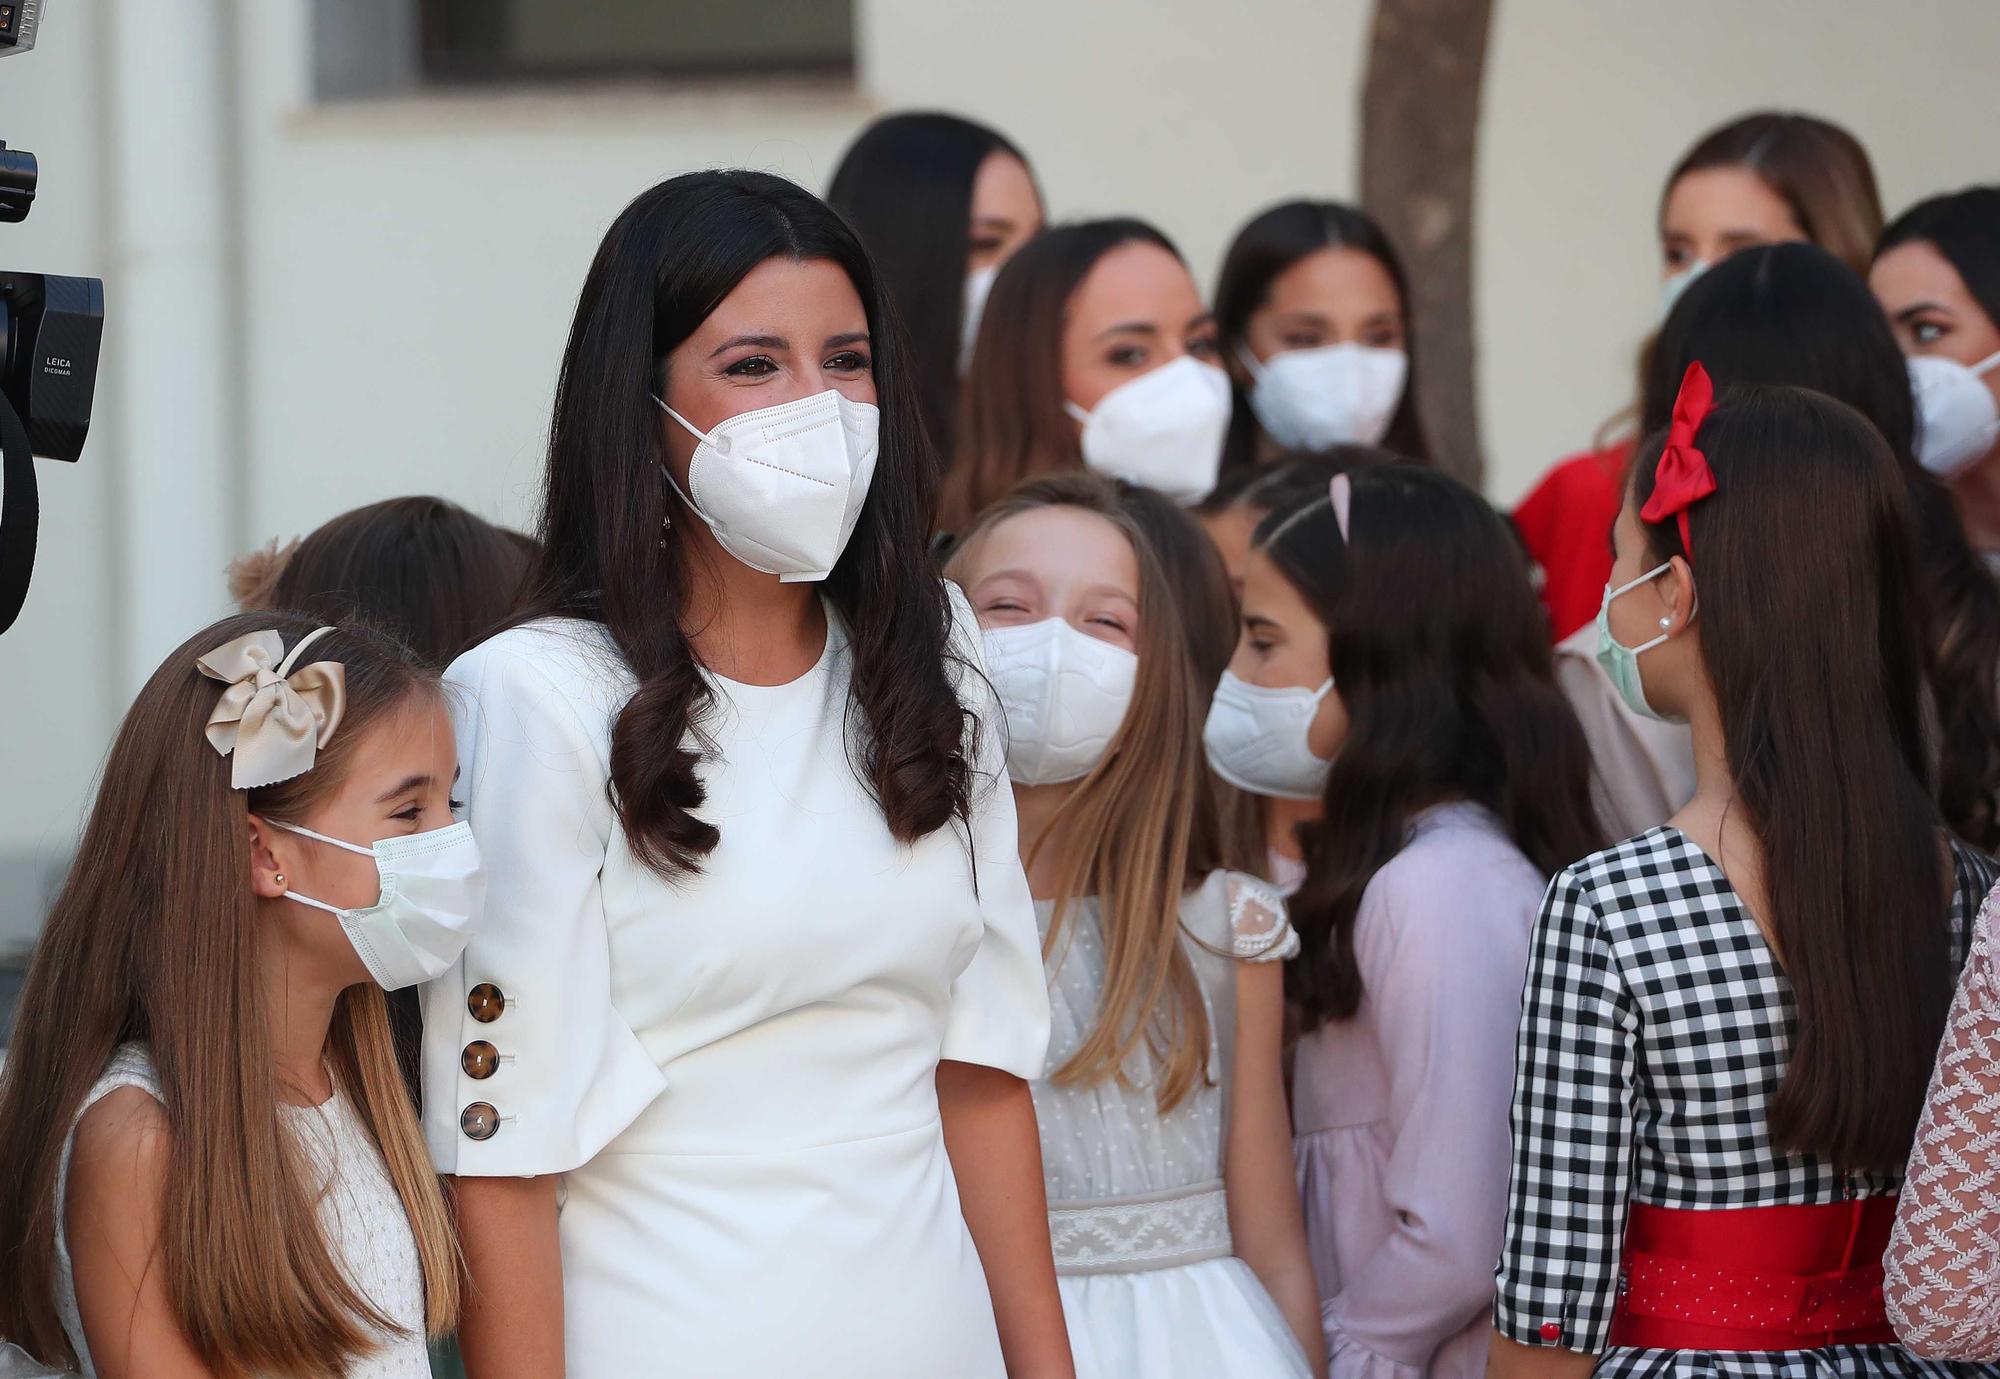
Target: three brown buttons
{"points": [[479, 1121]]}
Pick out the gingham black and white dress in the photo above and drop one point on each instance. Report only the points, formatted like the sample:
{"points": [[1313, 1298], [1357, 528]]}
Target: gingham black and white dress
{"points": [[1656, 1027]]}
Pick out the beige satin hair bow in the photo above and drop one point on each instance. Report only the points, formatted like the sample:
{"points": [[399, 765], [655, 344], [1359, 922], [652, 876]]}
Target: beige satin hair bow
{"points": [[272, 720]]}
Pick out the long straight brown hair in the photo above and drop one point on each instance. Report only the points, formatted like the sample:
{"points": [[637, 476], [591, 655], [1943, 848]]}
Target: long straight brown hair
{"points": [[1811, 632], [155, 939], [1141, 828], [1011, 421]]}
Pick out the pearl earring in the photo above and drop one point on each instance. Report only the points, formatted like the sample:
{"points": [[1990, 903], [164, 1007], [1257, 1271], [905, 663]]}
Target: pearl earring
{"points": [[1666, 622]]}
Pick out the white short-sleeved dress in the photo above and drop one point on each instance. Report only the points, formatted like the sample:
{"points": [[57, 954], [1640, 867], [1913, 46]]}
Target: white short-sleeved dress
{"points": [[735, 1073]]}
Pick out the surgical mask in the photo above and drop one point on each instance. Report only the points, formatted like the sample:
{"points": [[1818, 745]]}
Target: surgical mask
{"points": [[978, 284], [1333, 395], [1620, 662], [1957, 419], [1673, 287], [1257, 738], [1065, 693], [782, 487], [1163, 430], [433, 894]]}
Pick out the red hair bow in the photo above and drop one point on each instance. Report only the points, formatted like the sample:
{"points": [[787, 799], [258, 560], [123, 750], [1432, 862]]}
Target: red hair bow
{"points": [[1683, 478]]}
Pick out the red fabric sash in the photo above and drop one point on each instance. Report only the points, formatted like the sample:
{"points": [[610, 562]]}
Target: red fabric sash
{"points": [[1755, 1278]]}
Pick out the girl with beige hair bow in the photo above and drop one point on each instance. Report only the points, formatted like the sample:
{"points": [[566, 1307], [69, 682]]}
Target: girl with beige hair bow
{"points": [[212, 1168]]}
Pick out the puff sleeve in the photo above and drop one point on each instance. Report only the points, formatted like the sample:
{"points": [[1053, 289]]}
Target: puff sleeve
{"points": [[528, 1069], [1000, 1002]]}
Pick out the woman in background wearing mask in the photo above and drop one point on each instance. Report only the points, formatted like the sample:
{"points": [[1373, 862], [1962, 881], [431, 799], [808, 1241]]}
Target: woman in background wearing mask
{"points": [[1095, 352], [1764, 178], [1937, 275], [940, 202], [1393, 656], [1163, 1124], [1791, 313], [1314, 317], [773, 1102], [1729, 1021]]}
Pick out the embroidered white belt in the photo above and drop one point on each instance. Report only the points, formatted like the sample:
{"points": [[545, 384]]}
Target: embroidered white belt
{"points": [[1154, 1230]]}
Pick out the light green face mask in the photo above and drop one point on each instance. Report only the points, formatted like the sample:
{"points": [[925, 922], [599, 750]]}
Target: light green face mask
{"points": [[1620, 662]]}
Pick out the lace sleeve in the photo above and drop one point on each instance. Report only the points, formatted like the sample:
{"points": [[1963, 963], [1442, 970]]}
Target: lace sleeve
{"points": [[1259, 930], [1943, 1266]]}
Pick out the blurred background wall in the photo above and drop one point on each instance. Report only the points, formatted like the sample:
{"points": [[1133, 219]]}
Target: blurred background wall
{"points": [[336, 272]]}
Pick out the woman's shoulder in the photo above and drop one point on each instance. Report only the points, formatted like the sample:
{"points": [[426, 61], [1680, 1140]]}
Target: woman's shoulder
{"points": [[121, 1127], [573, 657], [1974, 899], [1242, 916], [1452, 849]]}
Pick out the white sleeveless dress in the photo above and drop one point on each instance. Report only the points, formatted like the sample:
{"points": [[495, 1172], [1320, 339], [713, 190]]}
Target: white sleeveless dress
{"points": [[359, 1210], [1138, 1217]]}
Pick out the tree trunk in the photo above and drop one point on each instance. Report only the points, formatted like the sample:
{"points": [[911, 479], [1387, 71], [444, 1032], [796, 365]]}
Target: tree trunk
{"points": [[1419, 137]]}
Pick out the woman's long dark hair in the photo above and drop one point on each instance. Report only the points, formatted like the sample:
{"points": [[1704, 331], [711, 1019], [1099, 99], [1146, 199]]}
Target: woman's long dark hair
{"points": [[1442, 659], [1811, 640], [1011, 422], [667, 262], [1794, 314], [1964, 228], [905, 185], [1271, 243]]}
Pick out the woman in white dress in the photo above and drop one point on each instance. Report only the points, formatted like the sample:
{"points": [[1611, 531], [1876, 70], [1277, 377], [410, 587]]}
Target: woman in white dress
{"points": [[735, 1081], [1178, 1236]]}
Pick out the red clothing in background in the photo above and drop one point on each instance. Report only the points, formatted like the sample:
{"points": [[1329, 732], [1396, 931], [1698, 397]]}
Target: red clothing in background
{"points": [[1566, 525]]}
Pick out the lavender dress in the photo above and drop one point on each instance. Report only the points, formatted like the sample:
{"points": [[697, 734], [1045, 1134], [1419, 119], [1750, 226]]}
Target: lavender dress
{"points": [[1401, 1112]]}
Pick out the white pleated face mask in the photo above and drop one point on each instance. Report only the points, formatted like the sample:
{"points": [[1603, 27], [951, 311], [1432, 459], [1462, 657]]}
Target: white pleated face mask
{"points": [[1163, 430], [1958, 421], [1334, 395], [1257, 738], [1065, 694], [978, 286], [782, 487], [433, 895]]}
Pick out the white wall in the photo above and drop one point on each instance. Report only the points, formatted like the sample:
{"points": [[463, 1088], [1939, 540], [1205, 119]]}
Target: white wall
{"points": [[406, 268]]}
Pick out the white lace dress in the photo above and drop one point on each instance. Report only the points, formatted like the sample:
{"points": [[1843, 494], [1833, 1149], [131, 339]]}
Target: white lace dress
{"points": [[359, 1210], [1137, 1213]]}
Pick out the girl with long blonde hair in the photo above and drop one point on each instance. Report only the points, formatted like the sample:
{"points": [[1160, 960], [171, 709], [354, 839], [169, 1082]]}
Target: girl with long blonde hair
{"points": [[211, 1165], [1178, 1238]]}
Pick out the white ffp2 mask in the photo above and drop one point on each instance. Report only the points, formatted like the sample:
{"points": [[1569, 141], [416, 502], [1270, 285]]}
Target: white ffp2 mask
{"points": [[782, 487], [1065, 693], [1958, 421], [1257, 739], [1334, 395], [1163, 430], [433, 895], [978, 286]]}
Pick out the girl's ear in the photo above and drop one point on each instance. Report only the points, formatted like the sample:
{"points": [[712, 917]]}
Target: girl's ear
{"points": [[268, 876], [1681, 595]]}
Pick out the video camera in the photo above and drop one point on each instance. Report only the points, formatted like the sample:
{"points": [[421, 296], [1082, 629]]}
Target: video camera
{"points": [[50, 328]]}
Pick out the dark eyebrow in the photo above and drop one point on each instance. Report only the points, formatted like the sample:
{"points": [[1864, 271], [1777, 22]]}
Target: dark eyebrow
{"points": [[852, 337], [1918, 308], [1252, 620], [1200, 321], [409, 784], [1130, 328], [996, 222], [769, 342]]}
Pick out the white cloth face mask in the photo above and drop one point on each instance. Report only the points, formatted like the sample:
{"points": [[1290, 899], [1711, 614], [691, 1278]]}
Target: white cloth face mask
{"points": [[782, 487], [432, 898], [1163, 430], [1065, 693], [1257, 738], [1958, 421], [1674, 286], [1332, 395], [978, 284]]}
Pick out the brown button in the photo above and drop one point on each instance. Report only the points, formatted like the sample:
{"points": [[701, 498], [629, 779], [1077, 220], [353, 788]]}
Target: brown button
{"points": [[486, 1001], [479, 1121], [479, 1059]]}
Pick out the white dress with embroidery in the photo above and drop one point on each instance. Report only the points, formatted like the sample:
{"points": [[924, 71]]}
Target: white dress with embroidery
{"points": [[1137, 1214]]}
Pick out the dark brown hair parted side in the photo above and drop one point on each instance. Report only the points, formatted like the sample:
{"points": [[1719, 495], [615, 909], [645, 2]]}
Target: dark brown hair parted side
{"points": [[1811, 635], [1814, 166], [1011, 422], [1441, 655], [667, 262], [155, 938]]}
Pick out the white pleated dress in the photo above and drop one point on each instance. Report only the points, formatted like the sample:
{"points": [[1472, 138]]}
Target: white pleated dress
{"points": [[734, 1074], [1137, 1213]]}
